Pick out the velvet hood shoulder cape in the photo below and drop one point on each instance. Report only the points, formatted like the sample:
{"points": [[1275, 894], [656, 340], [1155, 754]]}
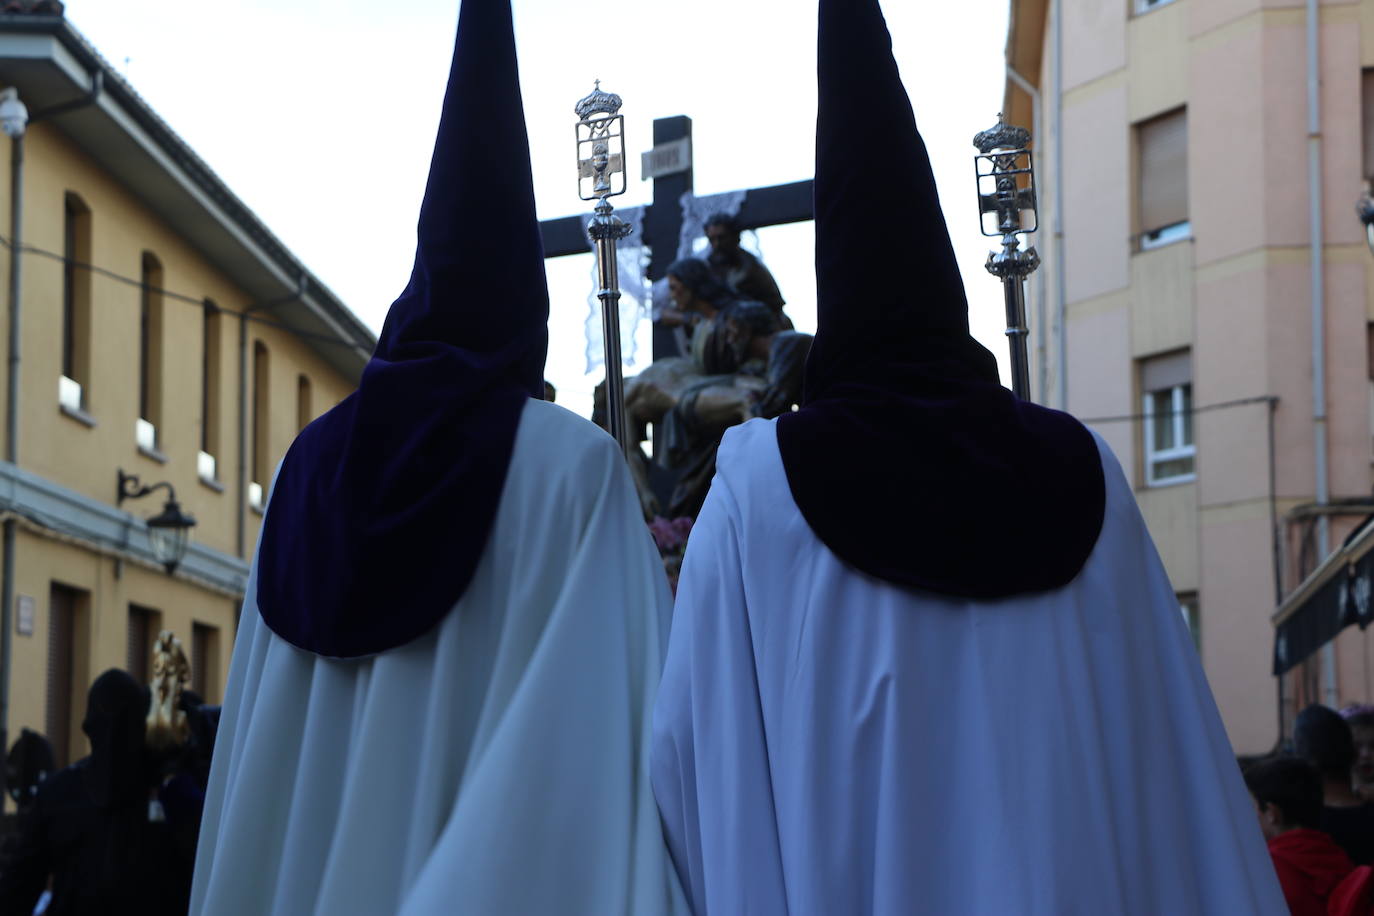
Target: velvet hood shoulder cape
{"points": [[454, 629], [403, 477], [867, 708], [497, 764], [907, 453], [827, 742]]}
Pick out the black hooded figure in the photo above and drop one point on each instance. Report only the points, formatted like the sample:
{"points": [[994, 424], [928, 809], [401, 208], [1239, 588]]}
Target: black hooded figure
{"points": [[925, 657], [450, 565], [403, 477], [907, 450], [93, 827]]}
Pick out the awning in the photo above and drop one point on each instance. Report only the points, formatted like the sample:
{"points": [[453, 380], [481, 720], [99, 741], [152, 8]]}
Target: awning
{"points": [[1337, 595]]}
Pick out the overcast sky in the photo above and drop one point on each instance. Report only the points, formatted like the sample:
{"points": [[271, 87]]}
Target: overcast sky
{"points": [[320, 115]]}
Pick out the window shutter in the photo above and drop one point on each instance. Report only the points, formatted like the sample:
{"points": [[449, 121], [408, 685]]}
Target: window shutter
{"points": [[1161, 373], [58, 724], [1163, 146], [1368, 107], [140, 642]]}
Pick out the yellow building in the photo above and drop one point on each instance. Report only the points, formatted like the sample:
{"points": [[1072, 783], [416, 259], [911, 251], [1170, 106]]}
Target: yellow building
{"points": [[165, 333]]}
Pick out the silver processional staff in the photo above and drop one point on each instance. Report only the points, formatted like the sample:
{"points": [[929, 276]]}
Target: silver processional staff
{"points": [[601, 176], [1005, 170]]}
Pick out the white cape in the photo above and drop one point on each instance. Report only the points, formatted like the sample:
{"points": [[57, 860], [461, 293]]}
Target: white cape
{"points": [[827, 743], [498, 765]]}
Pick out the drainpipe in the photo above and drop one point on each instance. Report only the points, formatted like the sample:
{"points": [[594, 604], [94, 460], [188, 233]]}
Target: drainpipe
{"points": [[1315, 217], [243, 429], [15, 129], [244, 318], [1061, 287], [11, 421], [1041, 334]]}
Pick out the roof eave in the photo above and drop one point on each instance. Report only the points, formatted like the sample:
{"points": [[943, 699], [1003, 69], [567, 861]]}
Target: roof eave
{"points": [[1026, 26]]}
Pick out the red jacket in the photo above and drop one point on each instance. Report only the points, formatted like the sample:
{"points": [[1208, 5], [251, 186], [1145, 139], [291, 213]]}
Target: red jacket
{"points": [[1309, 865]]}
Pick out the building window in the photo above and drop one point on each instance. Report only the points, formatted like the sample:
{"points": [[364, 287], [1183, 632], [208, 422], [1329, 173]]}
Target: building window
{"points": [[1188, 605], [261, 402], [150, 355], [144, 625], [1162, 204], [1144, 6], [1367, 104], [74, 385], [65, 606], [211, 339], [1170, 452], [304, 412], [205, 661]]}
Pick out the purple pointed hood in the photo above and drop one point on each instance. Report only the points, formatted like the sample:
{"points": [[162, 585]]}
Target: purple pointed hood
{"points": [[383, 506], [908, 458]]}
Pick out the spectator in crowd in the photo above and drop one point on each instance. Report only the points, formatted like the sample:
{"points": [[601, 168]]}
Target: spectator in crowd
{"points": [[97, 828], [182, 776], [29, 763], [1288, 796], [1360, 718], [1323, 739]]}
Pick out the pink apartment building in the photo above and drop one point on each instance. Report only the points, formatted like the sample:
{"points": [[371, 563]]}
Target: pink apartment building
{"points": [[1207, 296]]}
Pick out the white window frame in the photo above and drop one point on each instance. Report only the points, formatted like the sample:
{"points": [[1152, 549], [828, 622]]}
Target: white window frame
{"points": [[1192, 618], [1153, 456], [1145, 6]]}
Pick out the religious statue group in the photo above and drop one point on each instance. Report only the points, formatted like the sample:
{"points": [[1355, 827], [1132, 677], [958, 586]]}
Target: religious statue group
{"points": [[741, 359], [923, 656]]}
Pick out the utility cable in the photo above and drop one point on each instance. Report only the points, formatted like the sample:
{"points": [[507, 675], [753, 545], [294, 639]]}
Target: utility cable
{"points": [[1223, 405], [199, 302]]}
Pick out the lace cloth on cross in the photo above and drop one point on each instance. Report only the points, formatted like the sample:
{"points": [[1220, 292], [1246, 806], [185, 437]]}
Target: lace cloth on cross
{"points": [[633, 263], [638, 297]]}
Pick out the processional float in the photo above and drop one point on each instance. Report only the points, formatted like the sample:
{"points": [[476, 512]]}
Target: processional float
{"points": [[601, 176], [1005, 170]]}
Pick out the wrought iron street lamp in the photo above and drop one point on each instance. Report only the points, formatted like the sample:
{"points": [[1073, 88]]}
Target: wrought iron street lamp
{"points": [[169, 532]]}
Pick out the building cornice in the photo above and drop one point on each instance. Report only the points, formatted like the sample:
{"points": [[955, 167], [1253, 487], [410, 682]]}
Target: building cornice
{"points": [[54, 511]]}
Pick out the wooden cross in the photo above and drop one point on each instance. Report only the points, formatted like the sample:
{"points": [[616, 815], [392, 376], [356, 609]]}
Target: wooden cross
{"points": [[771, 206]]}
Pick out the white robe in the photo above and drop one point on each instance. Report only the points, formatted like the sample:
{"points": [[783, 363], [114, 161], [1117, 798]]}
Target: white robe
{"points": [[827, 743], [497, 765]]}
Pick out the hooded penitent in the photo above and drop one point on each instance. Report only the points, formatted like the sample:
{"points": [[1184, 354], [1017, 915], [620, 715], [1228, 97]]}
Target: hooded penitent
{"points": [[116, 708], [908, 458], [383, 506]]}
